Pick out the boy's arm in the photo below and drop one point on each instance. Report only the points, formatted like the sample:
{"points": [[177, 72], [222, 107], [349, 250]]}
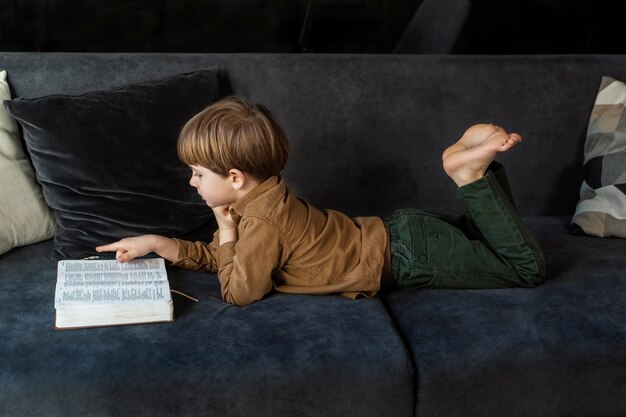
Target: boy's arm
{"points": [[130, 248], [245, 266]]}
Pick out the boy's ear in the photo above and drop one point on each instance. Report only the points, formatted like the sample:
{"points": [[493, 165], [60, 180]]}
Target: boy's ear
{"points": [[237, 178]]}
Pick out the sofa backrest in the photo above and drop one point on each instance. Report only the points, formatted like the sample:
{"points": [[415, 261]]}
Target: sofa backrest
{"points": [[367, 131]]}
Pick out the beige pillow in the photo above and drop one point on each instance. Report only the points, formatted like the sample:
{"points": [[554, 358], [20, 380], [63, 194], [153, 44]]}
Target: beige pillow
{"points": [[601, 210], [24, 216]]}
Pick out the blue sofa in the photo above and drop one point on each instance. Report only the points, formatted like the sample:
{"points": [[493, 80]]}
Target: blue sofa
{"points": [[367, 132]]}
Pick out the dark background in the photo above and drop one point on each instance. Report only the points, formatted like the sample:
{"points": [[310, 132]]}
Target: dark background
{"points": [[314, 26]]}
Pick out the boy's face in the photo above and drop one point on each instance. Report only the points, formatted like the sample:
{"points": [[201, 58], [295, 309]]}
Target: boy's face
{"points": [[216, 190]]}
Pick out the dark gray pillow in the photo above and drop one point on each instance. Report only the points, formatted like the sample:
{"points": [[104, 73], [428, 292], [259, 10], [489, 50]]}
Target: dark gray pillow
{"points": [[107, 161]]}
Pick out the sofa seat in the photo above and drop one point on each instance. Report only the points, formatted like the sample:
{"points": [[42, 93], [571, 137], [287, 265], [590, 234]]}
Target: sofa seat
{"points": [[557, 349], [284, 356]]}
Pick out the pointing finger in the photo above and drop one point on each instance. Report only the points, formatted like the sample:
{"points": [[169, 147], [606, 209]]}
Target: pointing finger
{"points": [[108, 248]]}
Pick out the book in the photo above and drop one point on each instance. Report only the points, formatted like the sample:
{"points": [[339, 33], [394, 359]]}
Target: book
{"points": [[94, 293]]}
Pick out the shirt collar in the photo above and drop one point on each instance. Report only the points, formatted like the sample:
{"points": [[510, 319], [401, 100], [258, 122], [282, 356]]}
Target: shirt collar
{"points": [[237, 209]]}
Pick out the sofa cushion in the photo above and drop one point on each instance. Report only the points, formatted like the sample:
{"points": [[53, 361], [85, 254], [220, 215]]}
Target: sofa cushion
{"points": [[557, 349], [24, 216], [287, 355], [107, 160], [601, 210]]}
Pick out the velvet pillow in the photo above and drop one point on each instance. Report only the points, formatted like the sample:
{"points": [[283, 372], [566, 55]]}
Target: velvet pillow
{"points": [[24, 216], [107, 160], [601, 210]]}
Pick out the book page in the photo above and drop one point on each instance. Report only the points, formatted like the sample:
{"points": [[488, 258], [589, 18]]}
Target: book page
{"points": [[99, 282]]}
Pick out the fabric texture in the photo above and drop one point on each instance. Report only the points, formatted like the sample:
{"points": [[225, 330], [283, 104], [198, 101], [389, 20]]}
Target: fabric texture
{"points": [[601, 210], [107, 160], [24, 216], [287, 245], [489, 248]]}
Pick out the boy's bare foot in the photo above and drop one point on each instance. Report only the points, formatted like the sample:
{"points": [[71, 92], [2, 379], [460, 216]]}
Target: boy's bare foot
{"points": [[473, 136], [467, 160]]}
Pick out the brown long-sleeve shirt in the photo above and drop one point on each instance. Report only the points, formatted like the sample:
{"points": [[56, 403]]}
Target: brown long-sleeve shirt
{"points": [[287, 245]]}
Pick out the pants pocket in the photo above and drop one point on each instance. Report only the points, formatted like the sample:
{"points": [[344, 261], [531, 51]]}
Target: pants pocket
{"points": [[409, 251]]}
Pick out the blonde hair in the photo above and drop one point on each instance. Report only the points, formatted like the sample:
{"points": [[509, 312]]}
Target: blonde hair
{"points": [[233, 133]]}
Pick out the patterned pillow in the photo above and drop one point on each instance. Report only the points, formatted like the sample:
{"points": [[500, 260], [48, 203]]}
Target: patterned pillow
{"points": [[601, 210]]}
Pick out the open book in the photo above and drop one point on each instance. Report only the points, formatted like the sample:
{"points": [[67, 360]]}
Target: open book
{"points": [[92, 293]]}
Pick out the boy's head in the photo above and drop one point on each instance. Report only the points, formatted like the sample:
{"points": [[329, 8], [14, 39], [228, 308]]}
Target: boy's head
{"points": [[234, 134]]}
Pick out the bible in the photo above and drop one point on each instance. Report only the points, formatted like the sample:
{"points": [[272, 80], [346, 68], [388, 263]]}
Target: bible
{"points": [[94, 293]]}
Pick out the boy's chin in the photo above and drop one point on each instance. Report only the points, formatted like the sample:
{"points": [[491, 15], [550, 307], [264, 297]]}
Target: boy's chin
{"points": [[214, 205]]}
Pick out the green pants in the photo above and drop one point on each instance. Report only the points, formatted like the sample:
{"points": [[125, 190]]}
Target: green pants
{"points": [[488, 248]]}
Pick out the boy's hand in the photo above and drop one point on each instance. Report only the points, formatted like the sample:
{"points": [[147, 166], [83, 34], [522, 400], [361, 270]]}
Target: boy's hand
{"points": [[130, 248], [223, 217], [228, 228]]}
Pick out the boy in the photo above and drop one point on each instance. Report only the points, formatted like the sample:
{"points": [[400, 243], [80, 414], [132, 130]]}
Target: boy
{"points": [[269, 240]]}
